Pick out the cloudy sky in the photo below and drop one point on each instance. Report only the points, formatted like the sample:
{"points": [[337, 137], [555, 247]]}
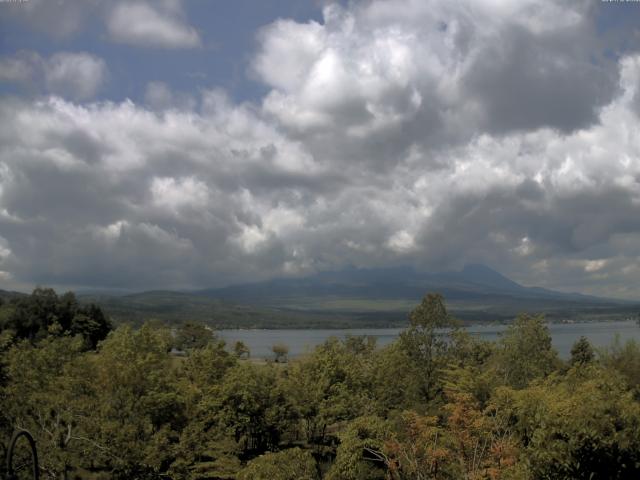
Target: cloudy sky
{"points": [[173, 144]]}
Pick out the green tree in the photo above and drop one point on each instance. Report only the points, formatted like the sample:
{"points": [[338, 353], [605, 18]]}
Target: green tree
{"points": [[333, 384], [581, 352], [426, 345], [206, 450], [624, 358], [251, 405], [92, 324], [582, 426], [280, 350], [33, 315], [360, 455], [192, 335], [241, 350], [471, 369], [139, 411], [207, 366], [525, 351], [396, 380], [50, 394], [43, 313], [289, 464]]}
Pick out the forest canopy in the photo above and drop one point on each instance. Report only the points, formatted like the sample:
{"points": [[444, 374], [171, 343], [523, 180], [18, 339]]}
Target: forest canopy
{"points": [[119, 403]]}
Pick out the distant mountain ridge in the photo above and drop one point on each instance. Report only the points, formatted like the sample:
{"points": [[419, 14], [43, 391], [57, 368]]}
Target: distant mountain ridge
{"points": [[357, 298], [9, 294], [474, 280]]}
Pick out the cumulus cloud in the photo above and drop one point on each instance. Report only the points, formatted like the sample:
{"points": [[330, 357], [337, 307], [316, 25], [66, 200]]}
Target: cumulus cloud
{"points": [[82, 185], [382, 78], [140, 23], [160, 24], [60, 19], [159, 96], [216, 194], [75, 75], [429, 133], [21, 68]]}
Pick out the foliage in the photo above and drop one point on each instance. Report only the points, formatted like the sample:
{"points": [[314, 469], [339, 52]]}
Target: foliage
{"points": [[396, 380], [624, 359], [420, 448], [43, 313], [435, 404], [192, 335], [205, 451], [289, 464], [583, 426], [280, 350], [425, 344], [45, 397], [250, 405], [361, 451], [332, 385], [525, 352], [139, 408], [207, 366], [483, 444], [241, 350], [581, 352]]}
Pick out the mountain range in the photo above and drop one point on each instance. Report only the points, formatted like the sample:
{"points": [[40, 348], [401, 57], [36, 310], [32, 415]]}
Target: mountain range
{"points": [[359, 297], [472, 282]]}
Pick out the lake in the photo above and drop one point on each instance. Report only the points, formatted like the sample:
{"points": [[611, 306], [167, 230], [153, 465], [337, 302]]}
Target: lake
{"points": [[600, 334]]}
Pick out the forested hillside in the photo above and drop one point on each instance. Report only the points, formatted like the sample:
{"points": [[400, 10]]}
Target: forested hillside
{"points": [[359, 298], [120, 404]]}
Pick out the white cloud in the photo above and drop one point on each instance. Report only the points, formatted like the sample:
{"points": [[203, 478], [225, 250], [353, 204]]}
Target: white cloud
{"points": [[387, 136], [594, 265], [218, 191], [75, 75], [23, 67], [231, 199], [401, 241], [60, 19], [383, 78], [176, 194], [160, 97], [160, 23], [296, 45], [151, 25], [109, 233]]}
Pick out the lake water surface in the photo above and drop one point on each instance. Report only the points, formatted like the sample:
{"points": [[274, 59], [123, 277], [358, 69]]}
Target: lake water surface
{"points": [[600, 334]]}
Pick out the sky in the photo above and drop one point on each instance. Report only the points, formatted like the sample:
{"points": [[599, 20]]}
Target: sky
{"points": [[191, 144]]}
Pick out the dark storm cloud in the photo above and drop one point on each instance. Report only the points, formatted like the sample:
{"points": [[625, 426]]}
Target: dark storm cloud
{"points": [[528, 81], [496, 224]]}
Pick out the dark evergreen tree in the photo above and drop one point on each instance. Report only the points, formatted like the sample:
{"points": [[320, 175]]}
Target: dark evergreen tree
{"points": [[43, 313], [581, 352]]}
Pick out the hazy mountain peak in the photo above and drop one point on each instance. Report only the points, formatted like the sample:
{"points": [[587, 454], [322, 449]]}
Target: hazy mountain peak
{"points": [[484, 275]]}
